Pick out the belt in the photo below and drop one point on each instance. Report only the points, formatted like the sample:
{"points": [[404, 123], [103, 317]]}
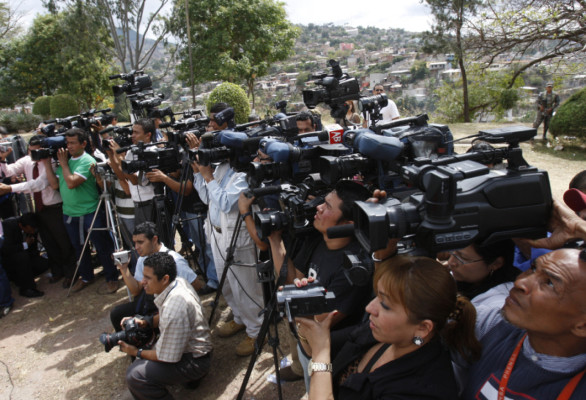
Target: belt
{"points": [[217, 228], [142, 203]]}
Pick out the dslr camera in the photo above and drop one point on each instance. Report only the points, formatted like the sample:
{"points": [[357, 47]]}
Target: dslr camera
{"points": [[131, 334]]}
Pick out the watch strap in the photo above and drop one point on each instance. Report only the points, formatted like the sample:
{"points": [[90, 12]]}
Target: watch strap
{"points": [[319, 367], [139, 354]]}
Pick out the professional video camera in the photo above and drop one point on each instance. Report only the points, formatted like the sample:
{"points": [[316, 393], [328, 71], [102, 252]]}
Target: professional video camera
{"points": [[290, 162], [49, 148], [132, 334], [136, 81], [373, 105], [309, 300], [297, 213], [462, 201], [194, 121], [120, 134], [149, 157], [87, 119], [336, 89]]}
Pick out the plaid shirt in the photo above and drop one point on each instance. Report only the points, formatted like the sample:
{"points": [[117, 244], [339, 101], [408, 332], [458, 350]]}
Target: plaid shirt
{"points": [[181, 322]]}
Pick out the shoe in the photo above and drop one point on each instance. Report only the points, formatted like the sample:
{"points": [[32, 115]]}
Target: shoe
{"points": [[66, 283], [229, 328], [112, 287], [206, 290], [286, 374], [80, 285], [31, 293], [5, 310], [246, 347], [55, 278]]}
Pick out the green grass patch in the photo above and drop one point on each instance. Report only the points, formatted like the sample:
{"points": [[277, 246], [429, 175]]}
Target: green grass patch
{"points": [[571, 151]]}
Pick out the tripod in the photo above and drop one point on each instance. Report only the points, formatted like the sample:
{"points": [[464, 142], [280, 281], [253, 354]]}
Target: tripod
{"points": [[107, 178], [266, 277]]}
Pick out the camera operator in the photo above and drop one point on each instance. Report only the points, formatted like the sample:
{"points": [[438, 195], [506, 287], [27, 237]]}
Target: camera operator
{"points": [[49, 210], [146, 243], [192, 208], [322, 258], [80, 197], [141, 189], [220, 189], [390, 112], [182, 353], [20, 254], [305, 122]]}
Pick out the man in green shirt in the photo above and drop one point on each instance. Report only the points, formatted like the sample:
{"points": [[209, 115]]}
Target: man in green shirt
{"points": [[79, 192]]}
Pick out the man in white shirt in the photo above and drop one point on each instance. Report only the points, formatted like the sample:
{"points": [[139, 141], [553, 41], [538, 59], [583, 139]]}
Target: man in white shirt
{"points": [[390, 112]]}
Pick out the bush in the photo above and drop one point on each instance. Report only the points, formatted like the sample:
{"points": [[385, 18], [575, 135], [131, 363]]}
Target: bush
{"points": [[234, 96], [15, 122], [570, 117], [63, 105], [42, 106]]}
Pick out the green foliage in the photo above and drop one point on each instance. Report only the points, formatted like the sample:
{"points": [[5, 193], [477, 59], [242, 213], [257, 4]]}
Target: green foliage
{"points": [[47, 60], [232, 40], [234, 96], [63, 105], [15, 122], [42, 106], [419, 71], [570, 117]]}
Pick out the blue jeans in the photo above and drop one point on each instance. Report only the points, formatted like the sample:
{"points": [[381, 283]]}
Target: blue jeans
{"points": [[198, 236], [77, 229], [6, 299]]}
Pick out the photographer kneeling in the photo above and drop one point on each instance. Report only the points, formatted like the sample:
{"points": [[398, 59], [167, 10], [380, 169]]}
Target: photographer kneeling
{"points": [[146, 243], [182, 352]]}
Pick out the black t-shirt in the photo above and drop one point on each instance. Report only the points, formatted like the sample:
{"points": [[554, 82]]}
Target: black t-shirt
{"points": [[315, 259]]}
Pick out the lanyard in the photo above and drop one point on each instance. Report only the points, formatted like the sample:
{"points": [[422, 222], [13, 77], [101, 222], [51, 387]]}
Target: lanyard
{"points": [[564, 395]]}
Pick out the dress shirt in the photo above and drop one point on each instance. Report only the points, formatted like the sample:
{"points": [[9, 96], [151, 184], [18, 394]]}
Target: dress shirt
{"points": [[183, 326], [25, 165], [218, 194]]}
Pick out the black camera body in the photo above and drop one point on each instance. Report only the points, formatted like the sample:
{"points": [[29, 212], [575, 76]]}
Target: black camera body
{"points": [[309, 300], [166, 159], [336, 89], [131, 334], [136, 81]]}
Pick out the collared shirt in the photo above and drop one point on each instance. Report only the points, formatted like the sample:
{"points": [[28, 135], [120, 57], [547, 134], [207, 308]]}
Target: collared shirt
{"points": [[183, 269], [183, 326], [25, 165], [219, 194], [144, 190]]}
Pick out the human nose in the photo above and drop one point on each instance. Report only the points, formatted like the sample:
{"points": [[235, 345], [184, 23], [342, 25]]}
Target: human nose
{"points": [[525, 281], [371, 307]]}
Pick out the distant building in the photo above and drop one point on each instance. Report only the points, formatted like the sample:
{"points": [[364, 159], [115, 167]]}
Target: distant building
{"points": [[346, 46]]}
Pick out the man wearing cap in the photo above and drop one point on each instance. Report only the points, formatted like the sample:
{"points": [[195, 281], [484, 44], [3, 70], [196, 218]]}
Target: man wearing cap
{"points": [[546, 104]]}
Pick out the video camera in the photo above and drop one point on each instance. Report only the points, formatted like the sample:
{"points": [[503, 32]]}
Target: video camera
{"points": [[49, 148], [148, 157], [336, 89], [136, 81], [309, 300], [462, 201], [120, 134]]}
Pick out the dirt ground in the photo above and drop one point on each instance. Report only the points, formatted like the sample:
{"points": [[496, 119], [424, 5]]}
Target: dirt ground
{"points": [[49, 346]]}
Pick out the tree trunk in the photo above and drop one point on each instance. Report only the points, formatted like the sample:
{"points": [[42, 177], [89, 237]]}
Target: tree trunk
{"points": [[466, 108]]}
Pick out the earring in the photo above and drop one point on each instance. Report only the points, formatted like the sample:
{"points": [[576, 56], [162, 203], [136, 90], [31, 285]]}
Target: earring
{"points": [[417, 340]]}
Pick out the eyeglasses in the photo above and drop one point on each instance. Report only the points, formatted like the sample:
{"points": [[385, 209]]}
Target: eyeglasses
{"points": [[378, 90], [459, 259]]}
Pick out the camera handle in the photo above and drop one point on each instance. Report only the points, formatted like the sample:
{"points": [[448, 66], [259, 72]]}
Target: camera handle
{"points": [[270, 318]]}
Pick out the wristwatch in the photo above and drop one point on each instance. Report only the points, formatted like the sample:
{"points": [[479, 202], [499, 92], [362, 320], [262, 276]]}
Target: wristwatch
{"points": [[318, 367], [139, 354]]}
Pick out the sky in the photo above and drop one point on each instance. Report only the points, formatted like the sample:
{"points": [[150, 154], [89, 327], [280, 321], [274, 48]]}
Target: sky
{"points": [[410, 15]]}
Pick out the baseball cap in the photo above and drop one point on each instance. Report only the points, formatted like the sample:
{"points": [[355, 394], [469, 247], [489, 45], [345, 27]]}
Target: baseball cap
{"points": [[575, 199], [549, 84]]}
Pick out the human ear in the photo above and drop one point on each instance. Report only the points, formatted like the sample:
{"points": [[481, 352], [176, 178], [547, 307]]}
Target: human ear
{"points": [[497, 264], [580, 328], [424, 329]]}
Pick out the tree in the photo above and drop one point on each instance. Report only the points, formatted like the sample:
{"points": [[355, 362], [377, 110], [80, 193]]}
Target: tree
{"points": [[45, 61], [232, 40], [447, 35], [234, 96], [9, 21], [544, 29]]}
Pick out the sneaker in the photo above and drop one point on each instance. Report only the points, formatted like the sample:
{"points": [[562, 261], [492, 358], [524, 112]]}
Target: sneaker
{"points": [[229, 328], [5, 310], [246, 347], [112, 287], [288, 375], [80, 285]]}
